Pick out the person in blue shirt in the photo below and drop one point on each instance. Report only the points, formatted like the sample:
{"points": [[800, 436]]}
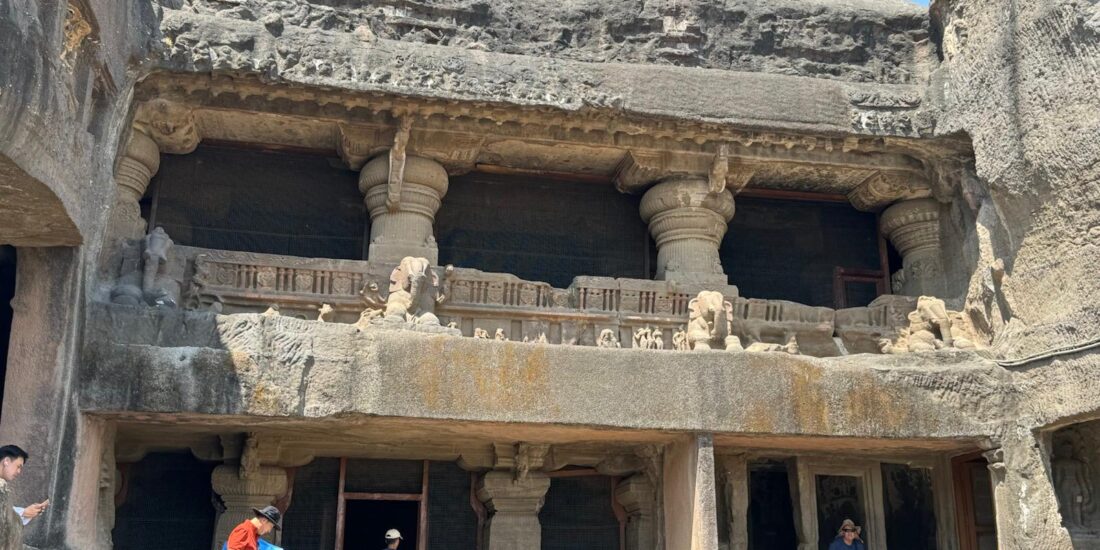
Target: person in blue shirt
{"points": [[847, 538]]}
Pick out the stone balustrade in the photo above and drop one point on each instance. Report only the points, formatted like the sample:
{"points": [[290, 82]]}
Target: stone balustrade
{"points": [[498, 305]]}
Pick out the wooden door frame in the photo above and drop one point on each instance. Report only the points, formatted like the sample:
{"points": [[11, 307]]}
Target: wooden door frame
{"points": [[420, 498], [964, 498]]}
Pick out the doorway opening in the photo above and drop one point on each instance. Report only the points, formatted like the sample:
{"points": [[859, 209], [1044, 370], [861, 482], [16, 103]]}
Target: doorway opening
{"points": [[976, 516], [366, 523]]}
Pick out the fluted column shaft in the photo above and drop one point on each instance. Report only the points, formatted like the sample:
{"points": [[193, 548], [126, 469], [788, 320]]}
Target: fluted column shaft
{"points": [[913, 227], [402, 217], [688, 222]]}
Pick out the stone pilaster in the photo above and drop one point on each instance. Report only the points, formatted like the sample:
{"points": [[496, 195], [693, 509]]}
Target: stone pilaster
{"points": [[139, 163], [735, 486], [637, 496], [913, 226], [402, 206], [240, 495], [691, 514], [1023, 493], [515, 505], [688, 222]]}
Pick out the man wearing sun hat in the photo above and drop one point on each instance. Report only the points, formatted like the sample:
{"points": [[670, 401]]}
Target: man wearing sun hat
{"points": [[246, 535], [847, 538]]}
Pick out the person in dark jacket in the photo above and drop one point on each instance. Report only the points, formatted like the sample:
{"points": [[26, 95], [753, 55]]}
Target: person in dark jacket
{"points": [[393, 539], [847, 538]]}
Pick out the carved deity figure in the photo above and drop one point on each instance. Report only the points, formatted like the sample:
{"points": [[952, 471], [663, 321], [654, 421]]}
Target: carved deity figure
{"points": [[607, 339], [642, 338], [658, 340], [1072, 485], [705, 327], [481, 334], [931, 327], [324, 313], [499, 335], [158, 288], [414, 291], [680, 340]]}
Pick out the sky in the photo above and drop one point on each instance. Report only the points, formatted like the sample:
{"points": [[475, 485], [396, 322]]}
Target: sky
{"points": [[920, 2]]}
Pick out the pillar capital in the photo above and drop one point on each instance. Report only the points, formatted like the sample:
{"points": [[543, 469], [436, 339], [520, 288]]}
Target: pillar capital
{"points": [[402, 205], [883, 188], [515, 506], [687, 221], [913, 226]]}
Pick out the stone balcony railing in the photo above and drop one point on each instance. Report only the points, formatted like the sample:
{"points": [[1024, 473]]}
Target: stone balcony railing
{"points": [[499, 305]]}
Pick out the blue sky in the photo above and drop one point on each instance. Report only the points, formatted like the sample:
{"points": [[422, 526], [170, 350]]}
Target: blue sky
{"points": [[920, 2]]}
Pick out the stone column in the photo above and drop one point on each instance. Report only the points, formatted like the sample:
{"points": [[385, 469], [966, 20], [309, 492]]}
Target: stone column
{"points": [[688, 222], [241, 495], [691, 514], [402, 208], [913, 226], [138, 165], [637, 496], [515, 505], [735, 486]]}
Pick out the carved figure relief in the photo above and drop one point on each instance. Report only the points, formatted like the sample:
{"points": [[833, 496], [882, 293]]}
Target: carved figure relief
{"points": [[154, 286], [931, 327], [324, 313], [680, 340], [705, 327], [481, 334], [1072, 485], [499, 335], [608, 339]]}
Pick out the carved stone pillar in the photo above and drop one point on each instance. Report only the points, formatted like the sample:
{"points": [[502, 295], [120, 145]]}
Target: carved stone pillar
{"points": [[515, 506], [913, 226], [138, 165], [240, 495], [735, 486], [690, 507], [688, 222], [637, 496], [402, 205]]}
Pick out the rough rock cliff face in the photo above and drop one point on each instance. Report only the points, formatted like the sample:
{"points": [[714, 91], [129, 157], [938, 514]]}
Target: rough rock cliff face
{"points": [[1021, 79], [862, 40]]}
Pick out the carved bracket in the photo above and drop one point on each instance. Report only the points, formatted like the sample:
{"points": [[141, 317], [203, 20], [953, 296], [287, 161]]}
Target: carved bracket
{"points": [[171, 125], [640, 169], [884, 188], [397, 164]]}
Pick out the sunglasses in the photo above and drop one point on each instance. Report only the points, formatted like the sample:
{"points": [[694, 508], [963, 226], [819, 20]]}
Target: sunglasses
{"points": [[846, 530]]}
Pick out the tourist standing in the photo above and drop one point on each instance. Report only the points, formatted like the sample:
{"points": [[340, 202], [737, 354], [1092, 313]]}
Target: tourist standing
{"points": [[393, 539], [847, 538], [246, 535]]}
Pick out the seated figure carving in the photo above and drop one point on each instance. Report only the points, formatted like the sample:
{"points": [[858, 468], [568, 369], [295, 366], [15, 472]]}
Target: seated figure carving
{"points": [[705, 328], [931, 327]]}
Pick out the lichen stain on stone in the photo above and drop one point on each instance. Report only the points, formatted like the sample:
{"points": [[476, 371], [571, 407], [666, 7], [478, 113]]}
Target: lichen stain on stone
{"points": [[466, 378], [808, 402], [871, 406]]}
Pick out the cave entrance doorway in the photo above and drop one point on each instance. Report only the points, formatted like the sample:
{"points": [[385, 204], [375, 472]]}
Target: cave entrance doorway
{"points": [[362, 518]]}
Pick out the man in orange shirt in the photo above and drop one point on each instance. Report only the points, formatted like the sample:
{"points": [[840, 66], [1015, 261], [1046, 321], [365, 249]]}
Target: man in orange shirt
{"points": [[245, 536]]}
